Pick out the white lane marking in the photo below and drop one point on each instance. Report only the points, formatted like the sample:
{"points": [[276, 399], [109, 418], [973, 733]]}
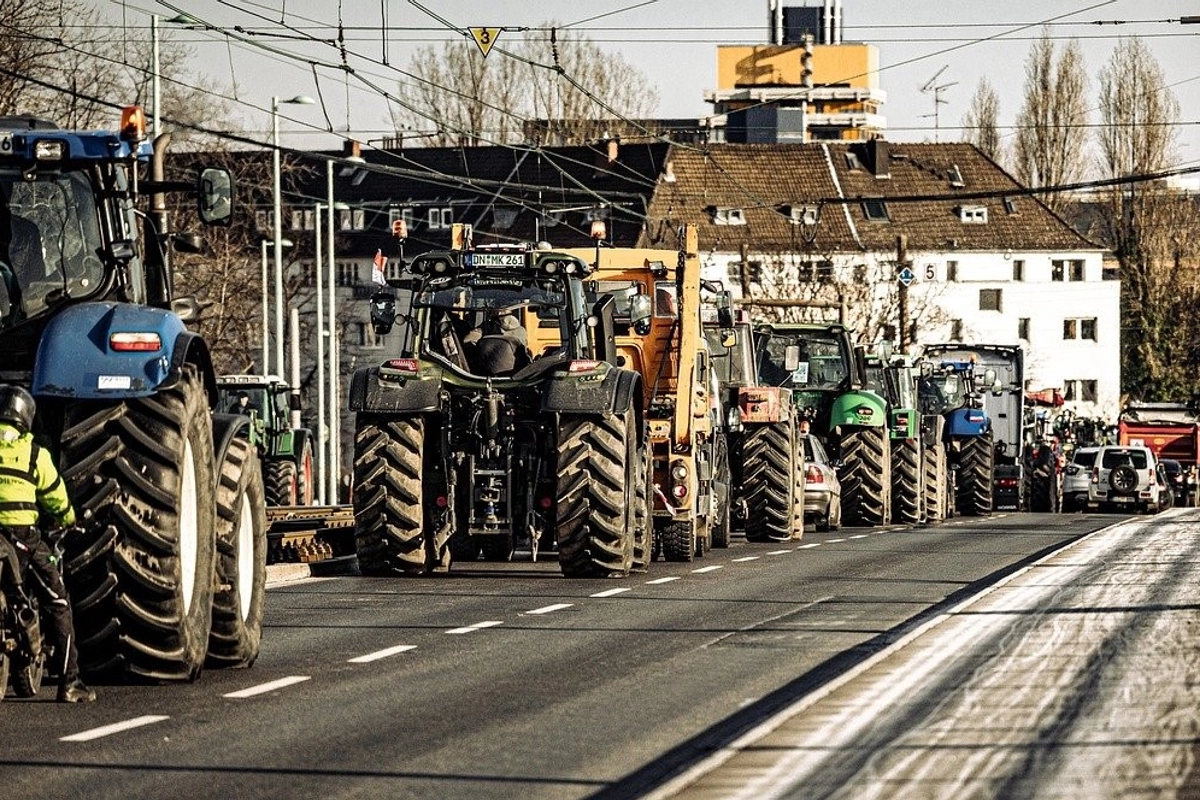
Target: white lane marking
{"points": [[713, 568], [116, 727], [779, 552], [860, 536], [548, 609], [384, 653], [478, 626], [662, 580], [269, 686], [830, 541], [809, 545], [745, 558], [611, 592]]}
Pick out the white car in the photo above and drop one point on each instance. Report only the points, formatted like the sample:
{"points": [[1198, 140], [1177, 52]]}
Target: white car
{"points": [[1077, 477], [1124, 477]]}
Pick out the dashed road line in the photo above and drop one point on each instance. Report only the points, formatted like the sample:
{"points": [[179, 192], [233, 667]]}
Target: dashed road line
{"points": [[713, 568], [478, 626], [745, 558], [611, 592], [780, 552], [551, 608], [378, 654], [860, 536], [831, 541], [116, 727], [809, 545], [662, 580], [269, 686]]}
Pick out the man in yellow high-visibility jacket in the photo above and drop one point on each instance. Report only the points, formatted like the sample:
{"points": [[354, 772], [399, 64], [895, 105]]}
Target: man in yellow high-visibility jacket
{"points": [[29, 485]]}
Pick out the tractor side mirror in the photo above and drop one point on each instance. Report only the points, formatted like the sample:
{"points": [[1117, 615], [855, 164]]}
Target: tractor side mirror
{"points": [[791, 358], [640, 310], [383, 312], [214, 190], [724, 310]]}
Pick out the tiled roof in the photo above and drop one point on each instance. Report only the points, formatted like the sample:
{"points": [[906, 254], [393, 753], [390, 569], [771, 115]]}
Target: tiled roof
{"points": [[760, 179]]}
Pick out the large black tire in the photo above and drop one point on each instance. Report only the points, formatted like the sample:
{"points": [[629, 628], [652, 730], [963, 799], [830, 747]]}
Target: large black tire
{"points": [[142, 587], [306, 482], [281, 481], [937, 483], [594, 525], [389, 529], [1043, 488], [769, 481], [240, 595], [679, 541], [976, 470], [643, 520], [907, 495], [865, 476], [798, 478]]}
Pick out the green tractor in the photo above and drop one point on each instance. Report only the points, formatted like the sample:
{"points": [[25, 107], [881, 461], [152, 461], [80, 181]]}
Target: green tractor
{"points": [[817, 361], [286, 452], [894, 377]]}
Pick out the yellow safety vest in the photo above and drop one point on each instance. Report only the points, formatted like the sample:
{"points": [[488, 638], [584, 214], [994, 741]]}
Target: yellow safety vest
{"points": [[29, 482]]}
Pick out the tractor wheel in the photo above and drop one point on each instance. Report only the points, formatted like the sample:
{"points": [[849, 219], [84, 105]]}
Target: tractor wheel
{"points": [[281, 482], [865, 476], [306, 483], [679, 541], [1043, 494], [594, 522], [907, 467], [389, 531], [798, 484], [643, 506], [4, 657], [769, 481], [976, 468], [25, 672], [936, 483], [142, 588], [241, 559]]}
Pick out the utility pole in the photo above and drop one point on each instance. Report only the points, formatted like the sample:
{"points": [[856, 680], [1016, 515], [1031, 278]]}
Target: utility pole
{"points": [[905, 278]]}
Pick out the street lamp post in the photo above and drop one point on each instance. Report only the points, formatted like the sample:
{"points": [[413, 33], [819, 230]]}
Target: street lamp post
{"points": [[322, 422], [266, 330], [277, 222]]}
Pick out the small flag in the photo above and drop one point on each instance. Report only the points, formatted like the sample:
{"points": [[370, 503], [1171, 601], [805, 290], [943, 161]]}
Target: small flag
{"points": [[378, 275]]}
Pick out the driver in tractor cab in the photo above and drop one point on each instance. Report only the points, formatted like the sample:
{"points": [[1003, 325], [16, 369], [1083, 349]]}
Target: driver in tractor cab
{"points": [[29, 485], [499, 344]]}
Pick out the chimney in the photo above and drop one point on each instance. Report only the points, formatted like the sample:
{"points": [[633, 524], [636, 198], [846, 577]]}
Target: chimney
{"points": [[880, 158]]}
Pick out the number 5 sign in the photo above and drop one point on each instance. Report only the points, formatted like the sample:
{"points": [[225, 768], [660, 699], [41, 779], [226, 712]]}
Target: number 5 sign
{"points": [[485, 38]]}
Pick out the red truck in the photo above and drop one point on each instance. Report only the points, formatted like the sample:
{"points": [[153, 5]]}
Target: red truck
{"points": [[1171, 431]]}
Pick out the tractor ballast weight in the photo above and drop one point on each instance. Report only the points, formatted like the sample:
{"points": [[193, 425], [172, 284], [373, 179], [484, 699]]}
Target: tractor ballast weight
{"points": [[170, 572], [475, 438]]}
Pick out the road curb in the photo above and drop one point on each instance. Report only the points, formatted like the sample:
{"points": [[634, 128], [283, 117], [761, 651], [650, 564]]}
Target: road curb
{"points": [[286, 573]]}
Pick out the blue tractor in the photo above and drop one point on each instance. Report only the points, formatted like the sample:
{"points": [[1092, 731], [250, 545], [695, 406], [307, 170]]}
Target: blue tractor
{"points": [[170, 573], [954, 390]]}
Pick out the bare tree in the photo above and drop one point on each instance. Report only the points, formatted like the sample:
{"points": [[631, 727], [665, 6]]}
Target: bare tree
{"points": [[981, 126], [1150, 228], [1052, 125], [569, 88]]}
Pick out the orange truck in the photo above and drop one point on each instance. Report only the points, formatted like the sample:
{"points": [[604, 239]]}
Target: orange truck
{"points": [[1170, 430]]}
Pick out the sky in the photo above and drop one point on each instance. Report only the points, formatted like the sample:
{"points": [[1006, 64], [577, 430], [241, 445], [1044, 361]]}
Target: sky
{"points": [[673, 42]]}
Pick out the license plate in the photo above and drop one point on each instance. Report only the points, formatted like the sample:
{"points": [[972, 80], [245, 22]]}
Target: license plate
{"points": [[497, 259], [1121, 499]]}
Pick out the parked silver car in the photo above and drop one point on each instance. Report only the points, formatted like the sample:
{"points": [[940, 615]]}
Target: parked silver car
{"points": [[1077, 477], [822, 491]]}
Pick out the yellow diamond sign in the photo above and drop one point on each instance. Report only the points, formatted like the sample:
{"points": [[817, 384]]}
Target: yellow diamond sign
{"points": [[485, 38]]}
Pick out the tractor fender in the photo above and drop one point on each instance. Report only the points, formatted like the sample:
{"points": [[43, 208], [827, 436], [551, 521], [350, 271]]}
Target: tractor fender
{"points": [[967, 422], [226, 428], [368, 392], [612, 390], [76, 356], [858, 409]]}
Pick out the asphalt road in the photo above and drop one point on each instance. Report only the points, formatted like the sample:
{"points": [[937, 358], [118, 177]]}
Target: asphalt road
{"points": [[506, 680]]}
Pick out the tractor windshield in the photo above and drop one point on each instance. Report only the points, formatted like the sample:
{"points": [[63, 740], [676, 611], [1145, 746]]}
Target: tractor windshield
{"points": [[821, 362], [50, 243], [941, 393]]}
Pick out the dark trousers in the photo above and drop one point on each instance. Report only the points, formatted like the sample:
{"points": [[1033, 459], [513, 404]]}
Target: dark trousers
{"points": [[47, 581]]}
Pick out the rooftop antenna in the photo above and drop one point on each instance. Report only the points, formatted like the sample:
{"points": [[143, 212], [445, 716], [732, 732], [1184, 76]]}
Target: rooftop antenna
{"points": [[933, 87]]}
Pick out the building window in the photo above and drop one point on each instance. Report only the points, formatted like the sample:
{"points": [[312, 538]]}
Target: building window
{"points": [[952, 271], [1082, 390], [1066, 270], [405, 214], [440, 218], [956, 330], [753, 271], [973, 215], [728, 216], [262, 220], [1018, 270], [347, 273], [1023, 328], [875, 209], [1080, 328], [1010, 205], [367, 337], [989, 299], [351, 219]]}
